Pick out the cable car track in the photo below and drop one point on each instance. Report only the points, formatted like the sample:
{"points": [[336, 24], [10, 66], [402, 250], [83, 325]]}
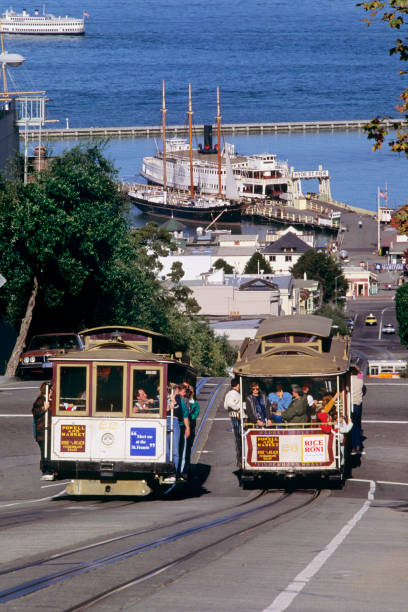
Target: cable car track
{"points": [[31, 586]]}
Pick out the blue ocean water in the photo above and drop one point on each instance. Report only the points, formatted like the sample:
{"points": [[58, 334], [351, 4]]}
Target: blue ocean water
{"points": [[273, 61]]}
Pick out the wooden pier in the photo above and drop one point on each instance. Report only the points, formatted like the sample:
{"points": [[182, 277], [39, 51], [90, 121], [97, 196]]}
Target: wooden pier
{"points": [[308, 219], [151, 131]]}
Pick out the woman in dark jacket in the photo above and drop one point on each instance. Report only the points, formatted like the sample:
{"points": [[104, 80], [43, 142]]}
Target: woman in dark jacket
{"points": [[257, 407], [39, 410]]}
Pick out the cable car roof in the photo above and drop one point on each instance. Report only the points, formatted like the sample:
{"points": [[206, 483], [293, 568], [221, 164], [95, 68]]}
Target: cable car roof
{"points": [[302, 324]]}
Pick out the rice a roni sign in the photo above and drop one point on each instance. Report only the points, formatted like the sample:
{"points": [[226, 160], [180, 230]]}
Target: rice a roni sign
{"points": [[314, 449]]}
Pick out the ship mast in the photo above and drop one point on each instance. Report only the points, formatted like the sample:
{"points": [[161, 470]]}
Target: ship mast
{"points": [[3, 65], [164, 111], [219, 141], [190, 136]]}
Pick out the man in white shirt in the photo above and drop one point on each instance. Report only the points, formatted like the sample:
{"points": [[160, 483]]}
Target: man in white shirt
{"points": [[233, 400], [233, 403]]}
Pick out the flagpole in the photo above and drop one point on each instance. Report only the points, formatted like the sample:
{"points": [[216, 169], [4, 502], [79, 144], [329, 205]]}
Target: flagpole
{"points": [[378, 223]]}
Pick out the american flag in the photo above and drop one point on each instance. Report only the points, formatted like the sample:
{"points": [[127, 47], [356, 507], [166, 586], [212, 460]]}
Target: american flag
{"points": [[383, 194], [86, 14]]}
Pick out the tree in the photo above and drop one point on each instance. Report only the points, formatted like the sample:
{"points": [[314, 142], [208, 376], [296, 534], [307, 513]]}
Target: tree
{"points": [[395, 14], [401, 308], [257, 264], [72, 261], [337, 315], [57, 238], [323, 268], [224, 265]]}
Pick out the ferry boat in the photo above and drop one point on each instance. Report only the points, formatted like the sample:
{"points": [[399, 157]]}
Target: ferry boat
{"points": [[259, 176], [26, 23]]}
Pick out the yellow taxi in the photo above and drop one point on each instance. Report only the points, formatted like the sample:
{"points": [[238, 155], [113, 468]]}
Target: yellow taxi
{"points": [[371, 319]]}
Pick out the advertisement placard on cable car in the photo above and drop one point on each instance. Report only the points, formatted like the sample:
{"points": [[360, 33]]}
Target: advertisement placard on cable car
{"points": [[94, 439], [146, 440], [288, 448]]}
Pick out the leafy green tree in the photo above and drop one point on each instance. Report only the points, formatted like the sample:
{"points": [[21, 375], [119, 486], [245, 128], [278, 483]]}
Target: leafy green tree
{"points": [[176, 273], [71, 260], [224, 265], [395, 14], [257, 263], [323, 268], [337, 315], [58, 235], [401, 309]]}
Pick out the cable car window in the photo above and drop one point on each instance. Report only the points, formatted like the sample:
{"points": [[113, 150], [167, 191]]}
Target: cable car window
{"points": [[73, 391], [109, 388], [146, 391]]}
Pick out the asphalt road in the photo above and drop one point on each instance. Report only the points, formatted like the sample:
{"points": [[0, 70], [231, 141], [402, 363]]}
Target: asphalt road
{"points": [[342, 550]]}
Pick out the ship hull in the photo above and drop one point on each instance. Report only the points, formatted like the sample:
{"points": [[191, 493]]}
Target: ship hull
{"points": [[192, 214]]}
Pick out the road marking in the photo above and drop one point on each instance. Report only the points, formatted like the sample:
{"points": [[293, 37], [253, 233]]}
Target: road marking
{"points": [[17, 388], [285, 598], [17, 415], [387, 422], [381, 384], [55, 484], [389, 482], [31, 501]]}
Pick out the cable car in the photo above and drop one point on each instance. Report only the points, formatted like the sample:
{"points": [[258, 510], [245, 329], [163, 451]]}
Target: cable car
{"points": [[108, 429], [293, 351]]}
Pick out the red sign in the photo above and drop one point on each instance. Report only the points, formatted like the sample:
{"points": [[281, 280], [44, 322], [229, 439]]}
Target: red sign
{"points": [[73, 438]]}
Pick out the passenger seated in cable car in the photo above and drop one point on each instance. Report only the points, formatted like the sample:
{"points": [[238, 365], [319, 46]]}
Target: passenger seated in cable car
{"points": [[279, 401], [297, 412], [142, 403], [258, 407]]}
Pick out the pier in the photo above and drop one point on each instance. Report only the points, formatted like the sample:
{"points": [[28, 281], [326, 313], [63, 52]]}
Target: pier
{"points": [[317, 218], [151, 131]]}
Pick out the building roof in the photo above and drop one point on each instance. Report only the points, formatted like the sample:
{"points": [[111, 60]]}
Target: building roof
{"points": [[231, 251], [287, 241], [237, 237], [302, 283], [173, 225]]}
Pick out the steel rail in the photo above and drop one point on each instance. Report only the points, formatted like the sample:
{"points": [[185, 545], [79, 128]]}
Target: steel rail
{"points": [[162, 568], [37, 584]]}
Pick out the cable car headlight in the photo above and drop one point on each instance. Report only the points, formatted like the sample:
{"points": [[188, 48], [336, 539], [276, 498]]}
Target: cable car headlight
{"points": [[26, 360], [32, 359]]}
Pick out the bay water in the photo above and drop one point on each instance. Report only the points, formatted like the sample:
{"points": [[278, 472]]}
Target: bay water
{"points": [[273, 61]]}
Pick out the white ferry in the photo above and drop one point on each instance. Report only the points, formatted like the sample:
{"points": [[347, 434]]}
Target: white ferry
{"points": [[25, 23], [256, 176]]}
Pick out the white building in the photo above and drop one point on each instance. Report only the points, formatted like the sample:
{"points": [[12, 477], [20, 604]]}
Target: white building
{"points": [[284, 252]]}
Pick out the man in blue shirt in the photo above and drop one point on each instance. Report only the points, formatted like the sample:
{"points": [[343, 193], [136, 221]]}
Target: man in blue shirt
{"points": [[279, 401]]}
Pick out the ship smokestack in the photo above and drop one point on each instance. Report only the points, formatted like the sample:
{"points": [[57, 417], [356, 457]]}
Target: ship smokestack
{"points": [[208, 137]]}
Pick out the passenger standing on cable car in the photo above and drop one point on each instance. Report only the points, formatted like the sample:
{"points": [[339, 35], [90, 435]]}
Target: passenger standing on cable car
{"points": [[279, 400], [357, 393], [181, 412], [298, 409], [233, 403], [193, 412], [257, 407], [40, 407]]}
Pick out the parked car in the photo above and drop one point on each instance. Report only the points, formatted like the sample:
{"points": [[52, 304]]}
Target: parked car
{"points": [[388, 328], [371, 319], [35, 359]]}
